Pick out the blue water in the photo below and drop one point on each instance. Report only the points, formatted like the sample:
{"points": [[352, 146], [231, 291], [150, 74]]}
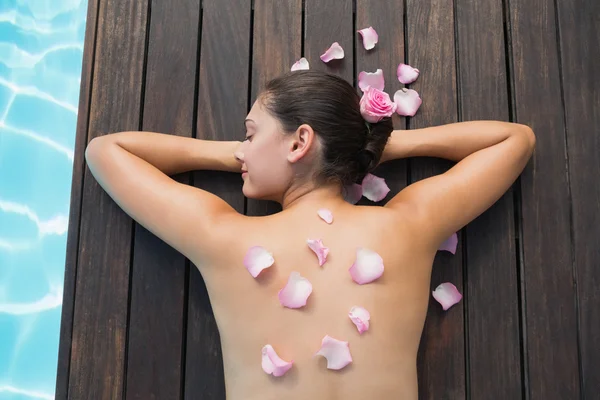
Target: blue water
{"points": [[41, 49]]}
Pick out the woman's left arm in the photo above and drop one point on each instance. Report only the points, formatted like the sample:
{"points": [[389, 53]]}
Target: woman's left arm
{"points": [[134, 169]]}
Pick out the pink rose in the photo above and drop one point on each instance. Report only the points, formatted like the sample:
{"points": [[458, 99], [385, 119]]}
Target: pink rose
{"points": [[376, 104]]}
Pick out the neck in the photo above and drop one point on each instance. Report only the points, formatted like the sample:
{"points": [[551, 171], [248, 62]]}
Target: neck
{"points": [[309, 196]]}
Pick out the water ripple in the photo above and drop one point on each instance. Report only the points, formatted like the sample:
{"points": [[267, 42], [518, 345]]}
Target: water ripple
{"points": [[28, 393], [14, 57], [35, 92], [56, 225], [39, 138]]}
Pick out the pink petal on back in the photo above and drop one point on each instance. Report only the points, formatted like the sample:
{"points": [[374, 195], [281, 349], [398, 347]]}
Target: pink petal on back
{"points": [[374, 188], [335, 52], [367, 267], [407, 101], [300, 64], [353, 193], [296, 291], [373, 79], [447, 295], [450, 244], [407, 74], [360, 317], [257, 258], [272, 364], [325, 215], [369, 36], [336, 352], [320, 250]]}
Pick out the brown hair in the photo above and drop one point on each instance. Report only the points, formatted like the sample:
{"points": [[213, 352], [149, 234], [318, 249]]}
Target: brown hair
{"points": [[330, 105]]}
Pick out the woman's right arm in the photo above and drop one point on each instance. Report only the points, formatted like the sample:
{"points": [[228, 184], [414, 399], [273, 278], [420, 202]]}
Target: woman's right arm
{"points": [[490, 155]]}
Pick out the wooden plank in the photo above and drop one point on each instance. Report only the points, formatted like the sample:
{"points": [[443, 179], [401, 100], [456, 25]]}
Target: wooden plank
{"points": [[156, 322], [579, 27], [277, 42], [325, 22], [224, 59], [100, 317], [550, 313], [430, 29], [494, 348], [386, 17], [81, 141]]}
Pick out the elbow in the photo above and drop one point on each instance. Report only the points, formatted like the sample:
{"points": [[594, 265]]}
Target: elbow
{"points": [[526, 132]]}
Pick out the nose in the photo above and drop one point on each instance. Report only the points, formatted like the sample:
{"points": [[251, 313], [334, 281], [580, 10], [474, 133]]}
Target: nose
{"points": [[239, 156]]}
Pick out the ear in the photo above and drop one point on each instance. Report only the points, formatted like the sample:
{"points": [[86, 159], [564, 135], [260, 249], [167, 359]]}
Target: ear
{"points": [[301, 142]]}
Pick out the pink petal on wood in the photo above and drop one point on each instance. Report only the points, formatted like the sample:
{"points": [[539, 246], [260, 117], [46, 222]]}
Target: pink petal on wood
{"points": [[320, 250], [353, 193], [369, 36], [257, 258], [325, 215], [360, 317], [407, 101], [334, 52], [373, 79], [407, 74], [296, 291], [447, 295], [300, 64], [367, 267], [336, 352], [450, 244], [272, 364], [374, 188]]}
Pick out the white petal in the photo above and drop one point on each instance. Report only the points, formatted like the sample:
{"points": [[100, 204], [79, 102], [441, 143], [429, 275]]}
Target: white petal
{"points": [[296, 291], [374, 188], [373, 79], [360, 316], [407, 74], [325, 215], [447, 295], [300, 64], [336, 352], [367, 267], [407, 101], [335, 52], [258, 258], [320, 250], [370, 37], [272, 364]]}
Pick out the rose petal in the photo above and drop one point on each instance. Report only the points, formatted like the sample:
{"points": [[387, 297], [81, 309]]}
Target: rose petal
{"points": [[300, 64], [353, 193], [272, 364], [407, 74], [257, 258], [373, 79], [296, 291], [334, 52], [336, 352], [325, 215], [447, 295], [360, 317], [450, 244], [320, 250], [367, 267], [374, 188], [370, 37], [407, 101]]}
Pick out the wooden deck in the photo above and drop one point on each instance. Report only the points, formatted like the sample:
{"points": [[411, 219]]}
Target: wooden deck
{"points": [[137, 322]]}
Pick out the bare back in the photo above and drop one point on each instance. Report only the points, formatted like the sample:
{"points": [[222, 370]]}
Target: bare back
{"points": [[250, 316]]}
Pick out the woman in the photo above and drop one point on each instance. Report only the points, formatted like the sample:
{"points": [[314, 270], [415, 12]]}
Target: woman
{"points": [[306, 140]]}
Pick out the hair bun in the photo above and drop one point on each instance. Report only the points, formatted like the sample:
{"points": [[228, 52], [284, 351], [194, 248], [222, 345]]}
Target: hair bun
{"points": [[377, 138]]}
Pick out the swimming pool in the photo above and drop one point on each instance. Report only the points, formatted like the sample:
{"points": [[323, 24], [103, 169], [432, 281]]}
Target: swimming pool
{"points": [[41, 50]]}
